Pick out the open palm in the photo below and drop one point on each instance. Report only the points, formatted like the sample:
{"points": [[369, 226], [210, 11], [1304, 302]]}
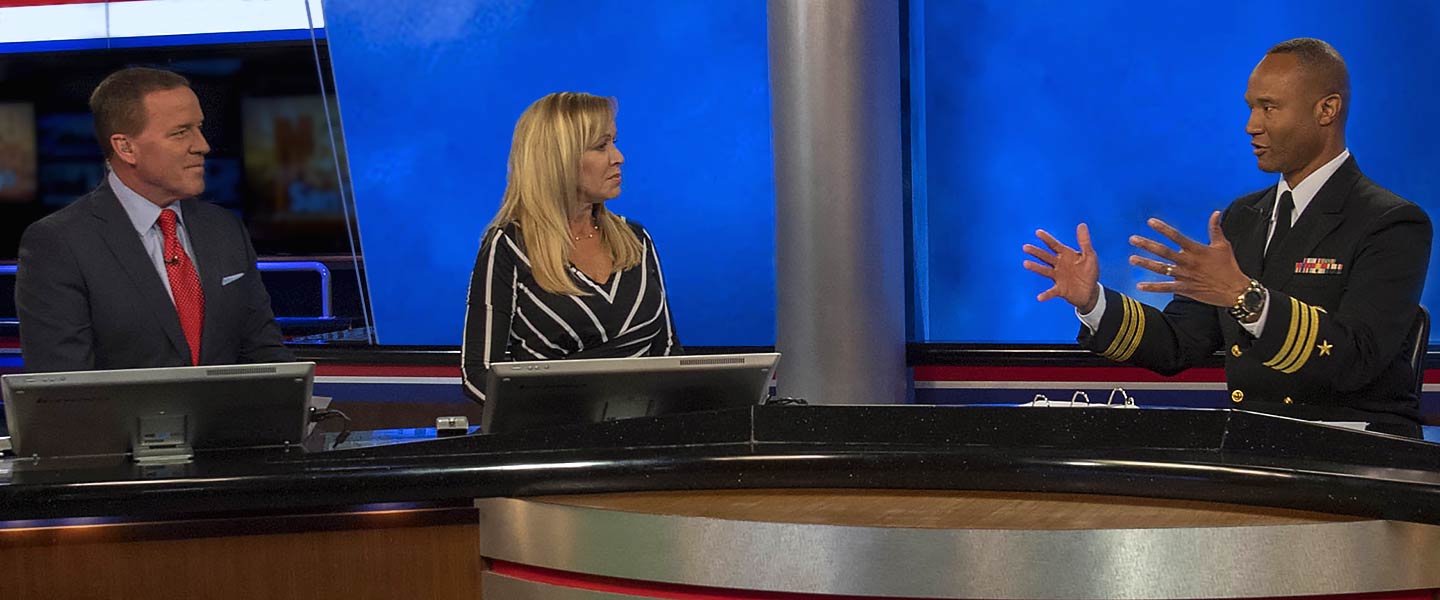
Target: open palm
{"points": [[1074, 273]]}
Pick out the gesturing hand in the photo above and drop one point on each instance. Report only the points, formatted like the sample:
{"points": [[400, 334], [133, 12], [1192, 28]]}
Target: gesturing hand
{"points": [[1207, 273], [1075, 274]]}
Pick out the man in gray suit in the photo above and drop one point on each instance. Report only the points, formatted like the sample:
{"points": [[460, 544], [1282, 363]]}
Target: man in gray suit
{"points": [[138, 272]]}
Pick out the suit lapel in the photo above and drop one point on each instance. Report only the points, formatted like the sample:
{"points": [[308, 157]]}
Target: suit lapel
{"points": [[119, 235], [1322, 216], [1247, 235], [207, 264]]}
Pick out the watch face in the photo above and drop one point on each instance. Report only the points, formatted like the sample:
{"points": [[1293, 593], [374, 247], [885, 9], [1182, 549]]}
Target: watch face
{"points": [[1254, 301]]}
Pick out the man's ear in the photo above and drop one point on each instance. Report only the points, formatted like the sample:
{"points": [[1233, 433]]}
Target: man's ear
{"points": [[123, 149], [1327, 111]]}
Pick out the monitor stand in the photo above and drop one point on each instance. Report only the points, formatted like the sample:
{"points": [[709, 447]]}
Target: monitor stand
{"points": [[162, 439]]}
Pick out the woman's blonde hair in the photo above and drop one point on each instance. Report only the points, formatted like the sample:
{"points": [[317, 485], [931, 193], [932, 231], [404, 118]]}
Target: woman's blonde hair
{"points": [[543, 183]]}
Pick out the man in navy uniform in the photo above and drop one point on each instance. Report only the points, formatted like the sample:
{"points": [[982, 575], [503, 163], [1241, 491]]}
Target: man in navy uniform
{"points": [[1311, 286]]}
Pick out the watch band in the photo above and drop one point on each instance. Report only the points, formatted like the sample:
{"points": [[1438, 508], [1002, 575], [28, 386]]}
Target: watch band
{"points": [[1250, 303]]}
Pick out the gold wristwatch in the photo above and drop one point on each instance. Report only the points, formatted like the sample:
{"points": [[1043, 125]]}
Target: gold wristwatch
{"points": [[1250, 303]]}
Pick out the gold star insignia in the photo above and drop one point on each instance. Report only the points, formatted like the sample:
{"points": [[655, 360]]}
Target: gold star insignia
{"points": [[1325, 347]]}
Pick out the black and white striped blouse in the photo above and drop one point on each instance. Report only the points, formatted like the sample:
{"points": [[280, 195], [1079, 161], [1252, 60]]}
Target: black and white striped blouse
{"points": [[509, 317]]}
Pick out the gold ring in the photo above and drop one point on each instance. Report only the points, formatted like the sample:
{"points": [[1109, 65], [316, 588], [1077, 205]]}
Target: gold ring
{"points": [[1169, 270]]}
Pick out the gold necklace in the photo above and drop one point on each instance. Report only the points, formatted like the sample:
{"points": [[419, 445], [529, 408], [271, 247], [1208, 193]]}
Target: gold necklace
{"points": [[589, 234]]}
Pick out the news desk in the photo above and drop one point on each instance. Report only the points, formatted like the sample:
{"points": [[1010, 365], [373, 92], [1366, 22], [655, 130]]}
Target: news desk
{"points": [[772, 502]]}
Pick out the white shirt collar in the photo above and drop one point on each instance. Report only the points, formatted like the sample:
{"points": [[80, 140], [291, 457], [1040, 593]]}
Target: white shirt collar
{"points": [[1305, 192], [143, 213]]}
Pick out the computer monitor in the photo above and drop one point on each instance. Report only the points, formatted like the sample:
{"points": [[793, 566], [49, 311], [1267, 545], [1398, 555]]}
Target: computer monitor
{"points": [[550, 393], [158, 414]]}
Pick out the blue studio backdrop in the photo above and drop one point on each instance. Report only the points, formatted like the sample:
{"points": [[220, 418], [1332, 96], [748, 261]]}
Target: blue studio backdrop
{"points": [[1045, 114], [429, 94], [1029, 113]]}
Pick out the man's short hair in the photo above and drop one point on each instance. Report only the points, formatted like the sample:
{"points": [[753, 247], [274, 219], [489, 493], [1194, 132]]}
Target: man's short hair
{"points": [[1324, 64], [118, 103]]}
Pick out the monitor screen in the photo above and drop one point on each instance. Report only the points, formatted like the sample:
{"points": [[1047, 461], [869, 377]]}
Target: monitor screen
{"points": [[17, 151], [538, 394], [70, 161], [291, 166], [157, 411]]}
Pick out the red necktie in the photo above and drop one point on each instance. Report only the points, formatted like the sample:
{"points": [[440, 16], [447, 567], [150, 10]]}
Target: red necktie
{"points": [[184, 285]]}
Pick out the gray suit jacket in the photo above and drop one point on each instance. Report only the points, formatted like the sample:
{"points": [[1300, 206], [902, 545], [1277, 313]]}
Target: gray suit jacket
{"points": [[88, 296]]}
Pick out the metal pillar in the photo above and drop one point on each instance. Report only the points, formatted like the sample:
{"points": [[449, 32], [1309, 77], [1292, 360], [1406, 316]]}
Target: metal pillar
{"points": [[835, 106]]}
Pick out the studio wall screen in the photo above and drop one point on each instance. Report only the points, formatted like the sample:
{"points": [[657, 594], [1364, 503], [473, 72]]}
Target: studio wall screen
{"points": [[1045, 114], [1035, 114], [429, 93]]}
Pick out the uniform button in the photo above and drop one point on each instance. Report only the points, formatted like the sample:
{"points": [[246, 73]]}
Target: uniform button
{"points": [[1288, 400], [1235, 351], [1237, 396]]}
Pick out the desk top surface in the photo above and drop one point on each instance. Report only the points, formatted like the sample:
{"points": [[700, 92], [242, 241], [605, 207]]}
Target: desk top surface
{"points": [[1181, 454]]}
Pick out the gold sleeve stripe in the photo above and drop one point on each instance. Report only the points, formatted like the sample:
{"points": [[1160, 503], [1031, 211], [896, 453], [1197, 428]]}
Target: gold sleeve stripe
{"points": [[1309, 340], [1302, 346], [1290, 339], [1129, 349], [1301, 340], [1295, 337], [1120, 336]]}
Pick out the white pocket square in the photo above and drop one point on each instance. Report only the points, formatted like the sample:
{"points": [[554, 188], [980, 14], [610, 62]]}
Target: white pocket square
{"points": [[229, 279]]}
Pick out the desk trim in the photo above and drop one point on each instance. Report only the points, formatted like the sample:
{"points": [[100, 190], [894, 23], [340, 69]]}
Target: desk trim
{"points": [[1161, 564]]}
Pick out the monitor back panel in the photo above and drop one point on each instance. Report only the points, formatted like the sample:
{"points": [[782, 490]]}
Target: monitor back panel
{"points": [[86, 415], [590, 391]]}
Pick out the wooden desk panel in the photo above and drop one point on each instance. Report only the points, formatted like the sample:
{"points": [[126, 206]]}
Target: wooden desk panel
{"points": [[945, 509], [391, 554]]}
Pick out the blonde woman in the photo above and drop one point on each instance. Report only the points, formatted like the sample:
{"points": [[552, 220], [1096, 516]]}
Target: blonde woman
{"points": [[558, 274]]}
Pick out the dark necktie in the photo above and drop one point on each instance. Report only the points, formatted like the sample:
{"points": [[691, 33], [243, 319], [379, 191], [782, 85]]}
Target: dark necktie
{"points": [[184, 285], [1283, 213]]}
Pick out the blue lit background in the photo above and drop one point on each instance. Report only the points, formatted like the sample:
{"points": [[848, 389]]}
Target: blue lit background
{"points": [[1044, 114], [1039, 114], [429, 94]]}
